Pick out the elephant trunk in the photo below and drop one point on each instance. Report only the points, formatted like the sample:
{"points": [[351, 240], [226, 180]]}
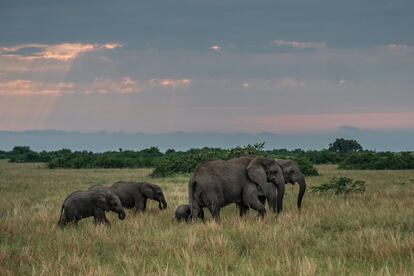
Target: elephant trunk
{"points": [[121, 214], [302, 189], [162, 204], [280, 194]]}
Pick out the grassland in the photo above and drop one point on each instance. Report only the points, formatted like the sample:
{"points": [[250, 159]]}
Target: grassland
{"points": [[370, 233]]}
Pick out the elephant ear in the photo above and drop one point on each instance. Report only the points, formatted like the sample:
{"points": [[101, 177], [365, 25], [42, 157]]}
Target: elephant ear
{"points": [[100, 200], [147, 190], [257, 173]]}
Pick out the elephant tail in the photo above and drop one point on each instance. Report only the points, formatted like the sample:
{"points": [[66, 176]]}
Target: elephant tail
{"points": [[60, 222]]}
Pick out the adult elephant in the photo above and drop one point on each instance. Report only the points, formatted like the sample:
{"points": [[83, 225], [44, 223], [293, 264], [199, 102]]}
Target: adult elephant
{"points": [[136, 194], [215, 184]]}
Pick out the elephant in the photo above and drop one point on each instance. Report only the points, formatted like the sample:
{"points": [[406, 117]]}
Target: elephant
{"points": [[292, 175], [136, 194], [81, 204], [215, 184], [182, 213], [99, 187]]}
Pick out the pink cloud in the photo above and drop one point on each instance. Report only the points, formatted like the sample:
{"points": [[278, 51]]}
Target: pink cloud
{"points": [[32, 88], [103, 86], [170, 83], [215, 48], [99, 86], [61, 52]]}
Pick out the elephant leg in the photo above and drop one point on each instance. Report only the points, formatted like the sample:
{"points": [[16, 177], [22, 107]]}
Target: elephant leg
{"points": [[100, 217], [215, 213], [214, 209], [196, 211], [201, 214], [262, 199], [140, 203], [251, 200], [213, 201], [242, 209]]}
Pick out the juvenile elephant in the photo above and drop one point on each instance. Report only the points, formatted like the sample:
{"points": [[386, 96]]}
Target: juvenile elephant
{"points": [[215, 184], [292, 175], [136, 194], [182, 213], [94, 203]]}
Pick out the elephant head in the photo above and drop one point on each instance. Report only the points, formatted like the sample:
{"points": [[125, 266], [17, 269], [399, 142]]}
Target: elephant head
{"points": [[154, 192], [268, 174], [293, 175], [108, 201], [115, 205]]}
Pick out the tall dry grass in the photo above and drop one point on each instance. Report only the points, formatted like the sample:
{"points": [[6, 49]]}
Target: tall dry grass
{"points": [[370, 233]]}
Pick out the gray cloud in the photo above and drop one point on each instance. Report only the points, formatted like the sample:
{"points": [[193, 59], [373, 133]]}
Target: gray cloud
{"points": [[273, 58]]}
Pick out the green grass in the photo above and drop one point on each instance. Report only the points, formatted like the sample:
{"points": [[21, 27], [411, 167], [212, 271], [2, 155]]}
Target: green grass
{"points": [[368, 233]]}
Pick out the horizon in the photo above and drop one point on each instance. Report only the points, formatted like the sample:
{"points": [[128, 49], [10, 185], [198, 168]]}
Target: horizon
{"points": [[38, 140]]}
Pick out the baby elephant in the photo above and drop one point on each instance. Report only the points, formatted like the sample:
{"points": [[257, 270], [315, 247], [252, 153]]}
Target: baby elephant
{"points": [[93, 203], [182, 213]]}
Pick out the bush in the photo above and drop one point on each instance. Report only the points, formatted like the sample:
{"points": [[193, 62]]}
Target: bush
{"points": [[306, 166], [378, 161], [341, 185], [185, 162]]}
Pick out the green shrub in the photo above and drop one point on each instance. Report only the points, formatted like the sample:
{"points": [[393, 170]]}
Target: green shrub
{"points": [[306, 166], [378, 161], [341, 185]]}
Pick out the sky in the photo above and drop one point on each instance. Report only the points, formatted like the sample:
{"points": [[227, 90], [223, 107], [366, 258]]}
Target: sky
{"points": [[231, 66]]}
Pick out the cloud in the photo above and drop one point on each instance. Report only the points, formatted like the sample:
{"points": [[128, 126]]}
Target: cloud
{"points": [[126, 85], [215, 48], [22, 87], [300, 44], [61, 52], [170, 83], [292, 83], [35, 88], [398, 46]]}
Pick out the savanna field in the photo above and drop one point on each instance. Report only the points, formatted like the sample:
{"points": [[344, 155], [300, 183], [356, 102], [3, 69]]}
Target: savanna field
{"points": [[358, 234]]}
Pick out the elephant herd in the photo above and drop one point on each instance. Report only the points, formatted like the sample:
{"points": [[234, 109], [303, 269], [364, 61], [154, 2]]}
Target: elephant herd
{"points": [[246, 181]]}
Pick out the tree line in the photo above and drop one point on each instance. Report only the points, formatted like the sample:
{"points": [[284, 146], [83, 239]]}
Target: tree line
{"points": [[348, 154]]}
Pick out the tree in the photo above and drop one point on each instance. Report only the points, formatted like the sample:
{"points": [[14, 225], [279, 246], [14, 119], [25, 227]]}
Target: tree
{"points": [[21, 150], [344, 145]]}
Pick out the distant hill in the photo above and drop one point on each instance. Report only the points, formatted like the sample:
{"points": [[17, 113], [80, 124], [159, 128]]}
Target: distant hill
{"points": [[401, 140]]}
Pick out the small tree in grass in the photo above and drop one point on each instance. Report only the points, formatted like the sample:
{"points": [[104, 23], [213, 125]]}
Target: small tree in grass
{"points": [[341, 185]]}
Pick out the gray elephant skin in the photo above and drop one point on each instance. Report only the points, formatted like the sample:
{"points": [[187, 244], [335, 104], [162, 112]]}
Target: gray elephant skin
{"points": [[182, 213], [292, 175], [94, 203], [136, 194], [215, 184]]}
